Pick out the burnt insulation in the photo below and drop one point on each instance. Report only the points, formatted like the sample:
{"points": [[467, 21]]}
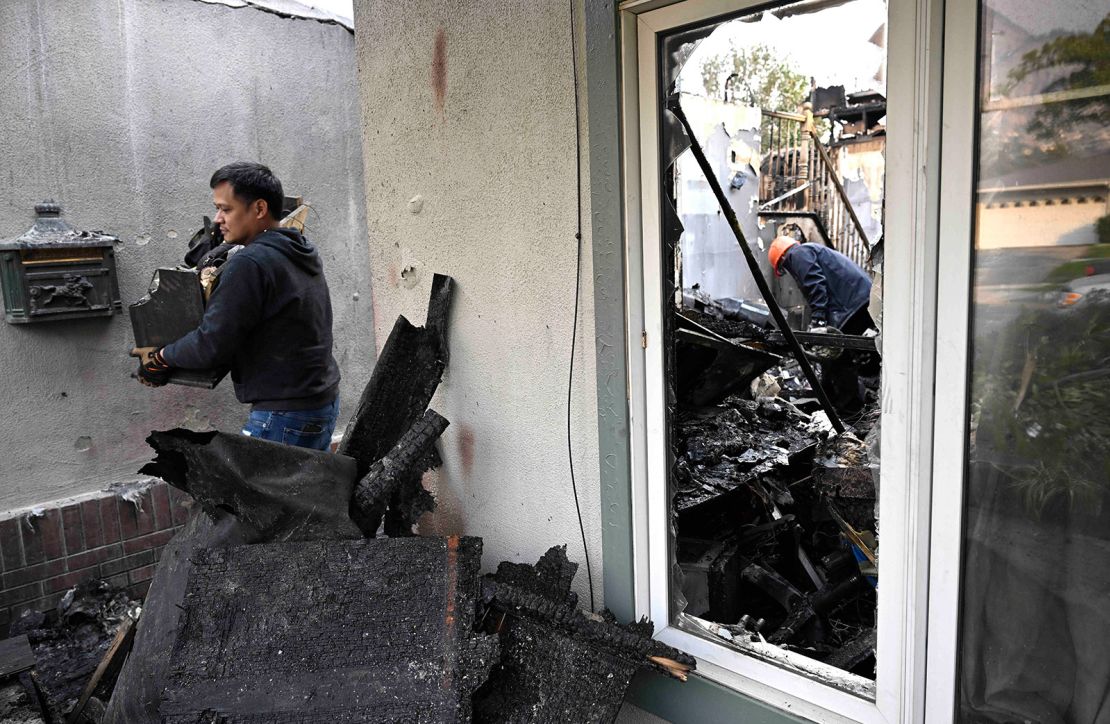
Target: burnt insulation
{"points": [[277, 492]]}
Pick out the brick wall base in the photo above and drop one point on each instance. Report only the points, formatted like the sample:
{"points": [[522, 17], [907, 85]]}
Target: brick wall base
{"points": [[42, 556]]}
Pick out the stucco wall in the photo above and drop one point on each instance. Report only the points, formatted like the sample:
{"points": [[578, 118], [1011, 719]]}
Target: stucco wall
{"points": [[470, 171], [121, 110]]}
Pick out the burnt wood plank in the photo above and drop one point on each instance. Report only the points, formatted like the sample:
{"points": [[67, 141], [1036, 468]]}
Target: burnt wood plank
{"points": [[15, 655]]}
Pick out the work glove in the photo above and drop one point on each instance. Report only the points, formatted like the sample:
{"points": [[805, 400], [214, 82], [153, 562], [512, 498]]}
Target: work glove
{"points": [[153, 370], [825, 354]]}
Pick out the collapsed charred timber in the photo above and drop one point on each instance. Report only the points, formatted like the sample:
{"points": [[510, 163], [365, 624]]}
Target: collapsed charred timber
{"points": [[771, 489], [558, 663], [773, 511], [710, 365], [252, 491], [273, 604], [405, 377], [407, 460], [774, 518]]}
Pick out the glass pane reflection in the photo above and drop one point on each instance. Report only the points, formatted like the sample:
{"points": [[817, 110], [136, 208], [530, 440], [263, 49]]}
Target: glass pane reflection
{"points": [[1035, 618]]}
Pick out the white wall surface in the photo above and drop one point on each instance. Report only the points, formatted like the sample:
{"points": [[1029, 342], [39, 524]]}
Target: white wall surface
{"points": [[477, 180], [121, 110]]}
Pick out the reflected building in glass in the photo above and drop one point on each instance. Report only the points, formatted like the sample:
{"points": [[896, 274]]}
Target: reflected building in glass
{"points": [[1035, 614]]}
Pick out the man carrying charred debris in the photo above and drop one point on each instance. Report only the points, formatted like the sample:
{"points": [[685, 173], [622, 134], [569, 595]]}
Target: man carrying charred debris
{"points": [[269, 318], [838, 292]]}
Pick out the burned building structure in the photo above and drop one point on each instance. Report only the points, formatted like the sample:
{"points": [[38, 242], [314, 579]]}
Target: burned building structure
{"points": [[773, 496], [520, 147]]}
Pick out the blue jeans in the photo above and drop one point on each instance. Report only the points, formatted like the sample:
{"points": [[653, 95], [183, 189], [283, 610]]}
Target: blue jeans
{"points": [[303, 428]]}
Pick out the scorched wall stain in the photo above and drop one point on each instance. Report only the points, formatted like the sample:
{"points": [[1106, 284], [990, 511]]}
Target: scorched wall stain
{"points": [[439, 70], [466, 449], [499, 215]]}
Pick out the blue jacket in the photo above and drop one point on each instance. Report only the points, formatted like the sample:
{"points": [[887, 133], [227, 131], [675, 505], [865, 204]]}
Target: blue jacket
{"points": [[269, 320], [834, 286]]}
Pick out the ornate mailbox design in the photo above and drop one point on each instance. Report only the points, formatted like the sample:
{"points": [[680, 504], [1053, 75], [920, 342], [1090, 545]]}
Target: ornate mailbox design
{"points": [[54, 271]]}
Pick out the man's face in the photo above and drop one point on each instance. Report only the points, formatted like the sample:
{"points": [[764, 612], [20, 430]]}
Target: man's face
{"points": [[239, 222]]}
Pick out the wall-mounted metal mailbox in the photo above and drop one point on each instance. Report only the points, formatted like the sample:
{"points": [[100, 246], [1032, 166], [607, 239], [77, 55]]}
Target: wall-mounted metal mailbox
{"points": [[54, 271]]}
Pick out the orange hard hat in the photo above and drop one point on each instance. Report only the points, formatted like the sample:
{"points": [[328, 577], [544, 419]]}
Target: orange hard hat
{"points": [[778, 250]]}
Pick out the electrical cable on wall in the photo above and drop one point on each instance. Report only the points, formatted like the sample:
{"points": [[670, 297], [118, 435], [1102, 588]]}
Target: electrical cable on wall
{"points": [[577, 292]]}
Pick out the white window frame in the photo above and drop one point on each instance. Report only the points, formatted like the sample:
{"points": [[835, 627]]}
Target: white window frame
{"points": [[950, 434], [909, 376]]}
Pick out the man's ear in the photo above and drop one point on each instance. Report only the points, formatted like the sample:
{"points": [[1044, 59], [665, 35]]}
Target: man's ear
{"points": [[261, 209]]}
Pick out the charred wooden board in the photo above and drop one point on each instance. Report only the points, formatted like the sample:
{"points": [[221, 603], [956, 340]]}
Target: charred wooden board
{"points": [[330, 631], [407, 460], [15, 655], [710, 366], [839, 341], [559, 664], [405, 377], [172, 308]]}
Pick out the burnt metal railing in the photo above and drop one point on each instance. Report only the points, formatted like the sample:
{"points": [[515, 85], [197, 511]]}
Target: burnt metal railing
{"points": [[798, 179]]}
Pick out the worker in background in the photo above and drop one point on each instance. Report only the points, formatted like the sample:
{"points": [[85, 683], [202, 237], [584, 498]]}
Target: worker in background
{"points": [[837, 291], [269, 318]]}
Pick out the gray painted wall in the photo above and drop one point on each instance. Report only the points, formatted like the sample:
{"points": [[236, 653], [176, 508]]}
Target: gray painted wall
{"points": [[121, 110], [470, 171]]}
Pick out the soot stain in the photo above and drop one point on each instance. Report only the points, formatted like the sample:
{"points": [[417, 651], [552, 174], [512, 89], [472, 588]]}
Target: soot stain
{"points": [[439, 70]]}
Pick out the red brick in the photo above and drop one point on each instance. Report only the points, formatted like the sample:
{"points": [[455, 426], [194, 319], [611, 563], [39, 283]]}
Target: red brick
{"points": [[136, 520], [141, 574], [138, 590], [180, 504], [119, 580], [30, 574], [90, 522], [50, 528], [13, 596], [109, 518], [68, 580], [31, 530], [44, 604], [73, 529], [11, 544], [93, 557], [147, 542], [119, 565], [163, 517]]}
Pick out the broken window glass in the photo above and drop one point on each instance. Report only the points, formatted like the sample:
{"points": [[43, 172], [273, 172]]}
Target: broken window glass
{"points": [[775, 545], [1034, 621]]}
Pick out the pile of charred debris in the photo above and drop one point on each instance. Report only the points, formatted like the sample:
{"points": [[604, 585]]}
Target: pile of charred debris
{"points": [[774, 512], [298, 592], [60, 665]]}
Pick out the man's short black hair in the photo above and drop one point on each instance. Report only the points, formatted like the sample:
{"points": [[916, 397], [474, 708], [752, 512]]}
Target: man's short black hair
{"points": [[250, 182]]}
